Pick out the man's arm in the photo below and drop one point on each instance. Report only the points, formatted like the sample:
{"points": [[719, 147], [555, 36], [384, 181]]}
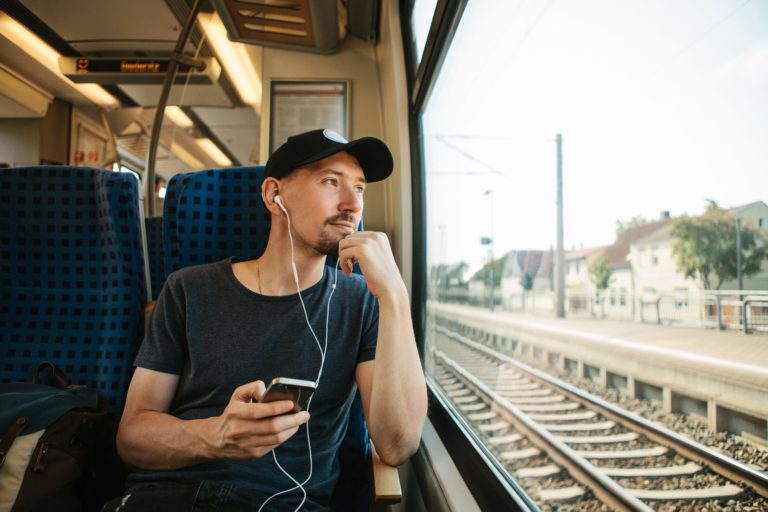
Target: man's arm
{"points": [[150, 438], [392, 386]]}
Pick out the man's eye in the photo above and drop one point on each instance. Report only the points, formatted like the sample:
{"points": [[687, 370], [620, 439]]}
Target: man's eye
{"points": [[360, 189], [332, 181]]}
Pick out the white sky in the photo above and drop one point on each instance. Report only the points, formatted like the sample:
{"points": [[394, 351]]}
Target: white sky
{"points": [[661, 103]]}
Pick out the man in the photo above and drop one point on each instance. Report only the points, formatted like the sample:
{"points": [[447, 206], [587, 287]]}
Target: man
{"points": [[192, 422]]}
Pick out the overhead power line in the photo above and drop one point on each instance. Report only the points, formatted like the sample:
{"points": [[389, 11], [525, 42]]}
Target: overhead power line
{"points": [[711, 29]]}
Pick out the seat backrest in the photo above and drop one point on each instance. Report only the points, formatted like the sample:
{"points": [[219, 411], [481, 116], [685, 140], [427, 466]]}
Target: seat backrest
{"points": [[155, 253], [72, 275], [211, 215]]}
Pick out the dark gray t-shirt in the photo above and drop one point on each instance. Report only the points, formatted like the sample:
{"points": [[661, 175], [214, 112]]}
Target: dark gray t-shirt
{"points": [[217, 335]]}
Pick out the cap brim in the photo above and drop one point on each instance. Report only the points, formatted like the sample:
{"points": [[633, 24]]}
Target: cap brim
{"points": [[373, 155]]}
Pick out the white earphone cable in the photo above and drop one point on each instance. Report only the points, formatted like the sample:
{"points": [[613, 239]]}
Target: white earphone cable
{"points": [[319, 374]]}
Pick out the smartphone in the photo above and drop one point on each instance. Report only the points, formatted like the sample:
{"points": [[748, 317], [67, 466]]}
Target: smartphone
{"points": [[297, 390]]}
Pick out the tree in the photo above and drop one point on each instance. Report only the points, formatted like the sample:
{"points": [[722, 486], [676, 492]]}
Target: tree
{"points": [[484, 273], [526, 281], [600, 273], [705, 247], [622, 226], [446, 276]]}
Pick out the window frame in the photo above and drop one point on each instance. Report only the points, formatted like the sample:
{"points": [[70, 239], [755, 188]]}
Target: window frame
{"points": [[472, 459]]}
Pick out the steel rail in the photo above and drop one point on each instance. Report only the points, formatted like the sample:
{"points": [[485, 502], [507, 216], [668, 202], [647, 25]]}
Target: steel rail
{"points": [[717, 462], [604, 487]]}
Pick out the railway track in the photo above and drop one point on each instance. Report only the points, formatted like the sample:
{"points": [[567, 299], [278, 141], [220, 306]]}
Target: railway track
{"points": [[567, 446]]}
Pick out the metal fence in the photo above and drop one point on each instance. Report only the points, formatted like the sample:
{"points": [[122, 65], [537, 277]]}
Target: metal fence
{"points": [[744, 310]]}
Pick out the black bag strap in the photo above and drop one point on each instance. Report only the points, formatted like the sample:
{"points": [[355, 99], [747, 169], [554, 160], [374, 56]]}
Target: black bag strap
{"points": [[58, 377]]}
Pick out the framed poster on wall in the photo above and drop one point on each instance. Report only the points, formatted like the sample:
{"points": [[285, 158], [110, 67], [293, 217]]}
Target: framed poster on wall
{"points": [[300, 106], [88, 145]]}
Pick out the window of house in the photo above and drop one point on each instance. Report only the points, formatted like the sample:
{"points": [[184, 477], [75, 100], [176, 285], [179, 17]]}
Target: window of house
{"points": [[681, 298]]}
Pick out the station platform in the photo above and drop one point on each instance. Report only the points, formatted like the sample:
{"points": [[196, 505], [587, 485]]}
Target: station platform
{"points": [[719, 375]]}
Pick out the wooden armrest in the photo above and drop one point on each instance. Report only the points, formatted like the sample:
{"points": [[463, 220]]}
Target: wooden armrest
{"points": [[386, 481], [148, 311]]}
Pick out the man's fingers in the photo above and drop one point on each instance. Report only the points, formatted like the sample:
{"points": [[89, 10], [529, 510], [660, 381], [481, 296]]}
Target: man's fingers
{"points": [[261, 411], [278, 424], [269, 409], [358, 238], [243, 427], [347, 265], [249, 392]]}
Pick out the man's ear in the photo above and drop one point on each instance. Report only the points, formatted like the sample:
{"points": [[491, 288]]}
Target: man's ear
{"points": [[270, 188]]}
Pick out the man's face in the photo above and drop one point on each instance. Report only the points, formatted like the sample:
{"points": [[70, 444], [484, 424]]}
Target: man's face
{"points": [[325, 201]]}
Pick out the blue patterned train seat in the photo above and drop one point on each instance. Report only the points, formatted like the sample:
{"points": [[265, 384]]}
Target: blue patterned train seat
{"points": [[155, 253], [72, 275], [214, 214]]}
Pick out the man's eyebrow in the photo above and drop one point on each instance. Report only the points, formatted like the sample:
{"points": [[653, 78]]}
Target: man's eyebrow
{"points": [[360, 179]]}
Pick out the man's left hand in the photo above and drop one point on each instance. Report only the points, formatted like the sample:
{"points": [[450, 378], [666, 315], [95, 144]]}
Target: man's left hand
{"points": [[371, 250]]}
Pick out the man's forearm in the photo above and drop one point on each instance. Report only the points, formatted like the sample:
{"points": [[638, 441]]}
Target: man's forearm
{"points": [[398, 403], [159, 441]]}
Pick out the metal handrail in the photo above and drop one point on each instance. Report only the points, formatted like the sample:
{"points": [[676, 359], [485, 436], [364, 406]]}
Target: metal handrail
{"points": [[170, 75]]}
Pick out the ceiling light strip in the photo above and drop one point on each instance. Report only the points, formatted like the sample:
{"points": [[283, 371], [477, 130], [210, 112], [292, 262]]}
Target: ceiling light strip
{"points": [[234, 59], [32, 45], [213, 151], [178, 117]]}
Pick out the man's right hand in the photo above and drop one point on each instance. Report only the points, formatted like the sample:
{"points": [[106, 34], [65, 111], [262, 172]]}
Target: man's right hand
{"points": [[248, 429]]}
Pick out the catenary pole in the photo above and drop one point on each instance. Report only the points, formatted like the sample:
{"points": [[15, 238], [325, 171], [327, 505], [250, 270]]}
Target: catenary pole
{"points": [[560, 257], [738, 254]]}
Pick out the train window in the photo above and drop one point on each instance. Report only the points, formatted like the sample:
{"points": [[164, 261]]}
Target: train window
{"points": [[421, 21], [644, 108], [122, 168]]}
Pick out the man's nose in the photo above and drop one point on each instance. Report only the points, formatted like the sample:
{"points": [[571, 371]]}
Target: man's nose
{"points": [[351, 200]]}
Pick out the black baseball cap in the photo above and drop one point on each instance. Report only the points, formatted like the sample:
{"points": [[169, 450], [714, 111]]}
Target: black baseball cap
{"points": [[302, 149]]}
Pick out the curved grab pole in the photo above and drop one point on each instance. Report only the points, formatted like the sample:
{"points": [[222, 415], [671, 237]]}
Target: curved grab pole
{"points": [[170, 75]]}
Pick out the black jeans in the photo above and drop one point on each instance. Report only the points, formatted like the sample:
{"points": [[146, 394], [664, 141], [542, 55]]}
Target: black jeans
{"points": [[203, 497]]}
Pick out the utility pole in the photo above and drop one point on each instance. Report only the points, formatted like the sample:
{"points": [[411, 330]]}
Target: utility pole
{"points": [[489, 192], [560, 257], [738, 253]]}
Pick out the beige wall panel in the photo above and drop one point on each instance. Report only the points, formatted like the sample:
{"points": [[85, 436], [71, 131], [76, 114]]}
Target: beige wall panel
{"points": [[378, 107], [20, 141], [54, 133], [394, 100]]}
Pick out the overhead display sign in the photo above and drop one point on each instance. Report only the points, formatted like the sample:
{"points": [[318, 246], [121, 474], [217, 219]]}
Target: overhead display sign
{"points": [[134, 70]]}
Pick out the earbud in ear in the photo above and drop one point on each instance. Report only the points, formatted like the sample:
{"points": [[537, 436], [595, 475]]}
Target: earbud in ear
{"points": [[279, 201]]}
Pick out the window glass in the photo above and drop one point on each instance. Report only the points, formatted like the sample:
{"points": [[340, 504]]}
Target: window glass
{"points": [[421, 21], [122, 168], [657, 102]]}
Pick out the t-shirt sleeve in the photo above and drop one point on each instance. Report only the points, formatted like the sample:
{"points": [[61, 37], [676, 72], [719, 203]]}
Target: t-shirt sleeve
{"points": [[367, 350], [164, 348]]}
